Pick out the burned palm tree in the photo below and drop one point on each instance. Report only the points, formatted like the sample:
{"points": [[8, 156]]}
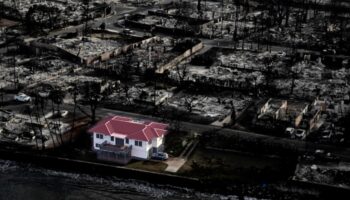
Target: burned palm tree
{"points": [[37, 115], [268, 63], [1, 97], [74, 92], [30, 112], [182, 73], [93, 97], [189, 103], [233, 113], [126, 72], [85, 17], [295, 71], [57, 97], [237, 4]]}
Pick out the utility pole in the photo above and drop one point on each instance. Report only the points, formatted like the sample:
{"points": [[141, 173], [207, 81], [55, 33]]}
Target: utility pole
{"points": [[2, 96], [15, 78], [149, 57], [222, 18], [86, 17]]}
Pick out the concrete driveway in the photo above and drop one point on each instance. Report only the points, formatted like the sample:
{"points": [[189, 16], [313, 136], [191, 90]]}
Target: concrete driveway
{"points": [[174, 164]]}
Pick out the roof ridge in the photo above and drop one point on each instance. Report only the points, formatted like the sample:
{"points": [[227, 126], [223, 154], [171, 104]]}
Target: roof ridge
{"points": [[108, 122], [143, 131], [158, 129], [158, 123], [130, 122]]}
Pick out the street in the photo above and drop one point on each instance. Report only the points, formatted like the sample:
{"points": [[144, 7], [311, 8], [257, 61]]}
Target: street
{"points": [[294, 145]]}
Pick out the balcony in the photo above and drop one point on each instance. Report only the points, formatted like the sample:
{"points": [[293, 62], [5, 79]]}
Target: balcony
{"points": [[114, 153]]}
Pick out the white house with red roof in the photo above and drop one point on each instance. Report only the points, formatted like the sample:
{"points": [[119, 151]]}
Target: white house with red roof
{"points": [[119, 139]]}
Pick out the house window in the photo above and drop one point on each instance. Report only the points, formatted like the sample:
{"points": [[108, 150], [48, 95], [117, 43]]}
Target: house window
{"points": [[97, 145], [126, 140], [100, 136], [138, 143], [112, 138]]}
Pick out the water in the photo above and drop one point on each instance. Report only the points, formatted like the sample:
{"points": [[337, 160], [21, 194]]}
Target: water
{"points": [[25, 181]]}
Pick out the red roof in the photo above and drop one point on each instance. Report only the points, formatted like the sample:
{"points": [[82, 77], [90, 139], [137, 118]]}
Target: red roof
{"points": [[132, 129]]}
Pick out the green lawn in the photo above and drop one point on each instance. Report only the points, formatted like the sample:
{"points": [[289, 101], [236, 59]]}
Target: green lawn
{"points": [[148, 165]]}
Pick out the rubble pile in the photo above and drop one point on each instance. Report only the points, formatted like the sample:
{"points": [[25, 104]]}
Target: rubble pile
{"points": [[30, 131], [164, 22], [210, 10], [210, 106], [239, 68], [148, 55], [70, 11], [89, 47], [140, 93], [314, 79], [335, 175]]}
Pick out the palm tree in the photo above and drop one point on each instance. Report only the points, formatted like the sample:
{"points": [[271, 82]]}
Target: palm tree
{"points": [[93, 97], [189, 103], [233, 113], [74, 91], [234, 38], [36, 103], [85, 17], [30, 112], [1, 97], [57, 96]]}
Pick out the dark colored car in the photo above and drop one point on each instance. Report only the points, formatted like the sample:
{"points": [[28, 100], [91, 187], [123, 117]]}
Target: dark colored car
{"points": [[160, 156]]}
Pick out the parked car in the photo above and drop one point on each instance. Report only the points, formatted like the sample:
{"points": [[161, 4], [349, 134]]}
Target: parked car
{"points": [[319, 151], [56, 114], [290, 131], [128, 31], [300, 133], [44, 94], [160, 156], [22, 97], [329, 51], [62, 113]]}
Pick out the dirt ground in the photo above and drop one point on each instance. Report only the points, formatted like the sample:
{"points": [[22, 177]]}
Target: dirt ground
{"points": [[7, 23], [234, 166]]}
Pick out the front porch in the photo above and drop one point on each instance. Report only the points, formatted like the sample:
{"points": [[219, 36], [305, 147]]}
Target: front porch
{"points": [[114, 153]]}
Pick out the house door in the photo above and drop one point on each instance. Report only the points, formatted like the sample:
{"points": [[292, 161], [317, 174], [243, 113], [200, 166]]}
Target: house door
{"points": [[119, 142]]}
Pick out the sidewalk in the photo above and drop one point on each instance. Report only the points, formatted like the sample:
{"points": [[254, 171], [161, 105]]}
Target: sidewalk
{"points": [[175, 164]]}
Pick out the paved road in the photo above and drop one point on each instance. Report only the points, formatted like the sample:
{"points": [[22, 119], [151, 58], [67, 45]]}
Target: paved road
{"points": [[297, 145], [109, 20]]}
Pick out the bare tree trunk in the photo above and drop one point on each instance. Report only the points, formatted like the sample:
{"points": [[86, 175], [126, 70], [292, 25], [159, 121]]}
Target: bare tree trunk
{"points": [[32, 126], [74, 113]]}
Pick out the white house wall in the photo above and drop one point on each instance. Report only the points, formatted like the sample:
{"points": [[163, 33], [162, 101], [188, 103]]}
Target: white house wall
{"points": [[156, 142], [137, 151], [140, 152], [106, 138]]}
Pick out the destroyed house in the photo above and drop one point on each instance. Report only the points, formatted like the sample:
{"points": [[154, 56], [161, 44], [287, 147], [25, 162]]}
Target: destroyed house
{"points": [[288, 113]]}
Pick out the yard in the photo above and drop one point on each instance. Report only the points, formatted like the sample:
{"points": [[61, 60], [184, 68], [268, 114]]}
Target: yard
{"points": [[148, 165], [235, 166], [176, 142]]}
